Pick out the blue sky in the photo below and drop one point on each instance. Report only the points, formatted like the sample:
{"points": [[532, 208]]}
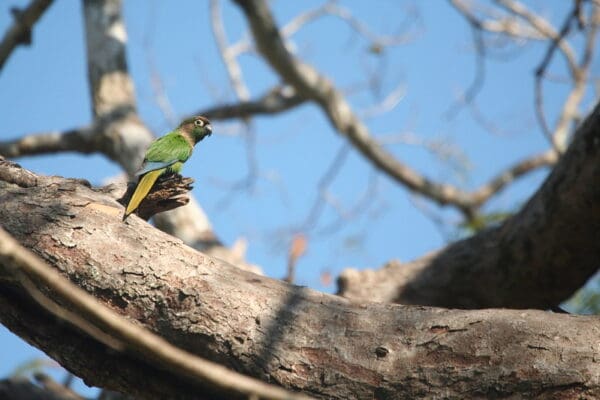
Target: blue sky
{"points": [[44, 87]]}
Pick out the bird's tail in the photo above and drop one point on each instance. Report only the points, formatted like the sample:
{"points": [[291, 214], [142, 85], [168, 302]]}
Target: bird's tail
{"points": [[141, 191]]}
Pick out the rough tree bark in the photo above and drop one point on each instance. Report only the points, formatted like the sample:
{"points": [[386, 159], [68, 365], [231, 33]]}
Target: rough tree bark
{"points": [[536, 259], [321, 344]]}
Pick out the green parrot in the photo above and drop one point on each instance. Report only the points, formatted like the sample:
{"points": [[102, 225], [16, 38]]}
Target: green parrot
{"points": [[167, 155]]}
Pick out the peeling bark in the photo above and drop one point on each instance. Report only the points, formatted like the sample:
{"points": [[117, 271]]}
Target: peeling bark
{"points": [[323, 345], [167, 193]]}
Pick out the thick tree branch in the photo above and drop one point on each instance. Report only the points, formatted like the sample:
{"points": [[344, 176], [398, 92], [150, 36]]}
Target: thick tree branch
{"points": [[77, 140], [535, 259], [27, 267], [19, 32], [111, 87], [300, 339]]}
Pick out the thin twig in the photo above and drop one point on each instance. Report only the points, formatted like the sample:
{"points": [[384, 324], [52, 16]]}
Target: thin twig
{"points": [[496, 184], [544, 28], [234, 71], [508, 26], [19, 32], [361, 205], [540, 73], [569, 112], [322, 186], [387, 104], [331, 8], [277, 100], [578, 71], [478, 79]]}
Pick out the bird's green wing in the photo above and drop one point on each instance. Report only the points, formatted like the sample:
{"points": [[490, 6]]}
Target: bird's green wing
{"points": [[166, 151], [171, 147]]}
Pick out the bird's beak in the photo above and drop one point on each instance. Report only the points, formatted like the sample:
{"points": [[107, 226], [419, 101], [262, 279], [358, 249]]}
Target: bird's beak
{"points": [[209, 129]]}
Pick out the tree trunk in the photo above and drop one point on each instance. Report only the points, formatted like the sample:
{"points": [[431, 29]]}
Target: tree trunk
{"points": [[303, 340]]}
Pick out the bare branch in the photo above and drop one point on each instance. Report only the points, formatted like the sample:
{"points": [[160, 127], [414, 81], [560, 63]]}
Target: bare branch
{"points": [[497, 24], [331, 8], [325, 181], [160, 93], [156, 82], [242, 93], [248, 181], [496, 184], [569, 111], [545, 28], [345, 215], [310, 84], [479, 78], [578, 71], [234, 72], [111, 86], [387, 104], [78, 140], [277, 100], [19, 32], [558, 136]]}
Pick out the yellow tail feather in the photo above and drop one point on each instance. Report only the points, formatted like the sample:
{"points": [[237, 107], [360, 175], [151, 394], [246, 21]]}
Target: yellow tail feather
{"points": [[141, 191]]}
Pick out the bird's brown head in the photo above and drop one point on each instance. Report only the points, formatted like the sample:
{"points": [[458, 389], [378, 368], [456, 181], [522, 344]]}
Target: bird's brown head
{"points": [[196, 128]]}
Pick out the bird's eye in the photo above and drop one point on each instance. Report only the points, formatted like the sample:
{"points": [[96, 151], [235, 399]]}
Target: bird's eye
{"points": [[199, 122]]}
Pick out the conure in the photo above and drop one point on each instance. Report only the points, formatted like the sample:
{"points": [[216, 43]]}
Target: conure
{"points": [[167, 155]]}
